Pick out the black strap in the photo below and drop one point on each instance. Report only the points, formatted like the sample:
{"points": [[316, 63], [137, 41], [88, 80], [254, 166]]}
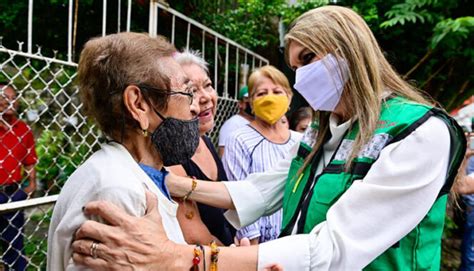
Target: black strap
{"points": [[289, 227], [358, 168], [456, 151], [313, 166], [307, 199]]}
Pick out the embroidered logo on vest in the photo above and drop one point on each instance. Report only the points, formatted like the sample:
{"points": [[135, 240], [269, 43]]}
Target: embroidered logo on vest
{"points": [[370, 150]]}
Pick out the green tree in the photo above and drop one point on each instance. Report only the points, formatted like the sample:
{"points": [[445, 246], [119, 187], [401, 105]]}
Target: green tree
{"points": [[428, 41], [438, 51]]}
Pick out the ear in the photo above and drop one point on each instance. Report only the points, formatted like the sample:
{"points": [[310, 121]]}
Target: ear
{"points": [[137, 106]]}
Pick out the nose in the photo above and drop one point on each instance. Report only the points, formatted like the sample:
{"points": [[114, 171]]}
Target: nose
{"points": [[203, 96], [194, 108]]}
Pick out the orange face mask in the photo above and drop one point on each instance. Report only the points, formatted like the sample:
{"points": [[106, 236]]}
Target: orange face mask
{"points": [[270, 108]]}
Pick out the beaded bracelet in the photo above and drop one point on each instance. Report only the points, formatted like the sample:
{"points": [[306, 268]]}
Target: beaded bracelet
{"points": [[193, 187], [214, 256], [197, 258], [203, 256]]}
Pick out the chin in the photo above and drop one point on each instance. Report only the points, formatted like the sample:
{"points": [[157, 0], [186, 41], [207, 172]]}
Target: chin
{"points": [[205, 128]]}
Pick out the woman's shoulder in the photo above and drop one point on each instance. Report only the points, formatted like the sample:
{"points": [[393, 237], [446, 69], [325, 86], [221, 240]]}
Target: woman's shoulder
{"points": [[246, 132], [245, 136], [104, 170], [100, 178]]}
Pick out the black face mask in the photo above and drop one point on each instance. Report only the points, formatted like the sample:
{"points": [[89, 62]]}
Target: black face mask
{"points": [[176, 140], [248, 109]]}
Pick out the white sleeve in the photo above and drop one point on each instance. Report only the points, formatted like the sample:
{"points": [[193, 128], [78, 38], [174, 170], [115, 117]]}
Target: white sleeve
{"points": [[259, 194], [376, 212]]}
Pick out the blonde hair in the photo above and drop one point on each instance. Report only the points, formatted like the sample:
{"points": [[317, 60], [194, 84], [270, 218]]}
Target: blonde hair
{"points": [[272, 73], [343, 33]]}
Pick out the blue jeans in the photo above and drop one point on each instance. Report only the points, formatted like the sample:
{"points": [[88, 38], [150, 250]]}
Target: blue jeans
{"points": [[467, 247], [11, 239]]}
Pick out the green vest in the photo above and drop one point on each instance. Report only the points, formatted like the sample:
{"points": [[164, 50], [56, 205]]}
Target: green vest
{"points": [[418, 250]]}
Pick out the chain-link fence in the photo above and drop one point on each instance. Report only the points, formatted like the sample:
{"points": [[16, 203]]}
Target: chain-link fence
{"points": [[46, 102]]}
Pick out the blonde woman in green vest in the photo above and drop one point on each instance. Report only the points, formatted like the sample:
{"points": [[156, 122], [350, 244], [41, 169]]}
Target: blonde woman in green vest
{"points": [[366, 190]]}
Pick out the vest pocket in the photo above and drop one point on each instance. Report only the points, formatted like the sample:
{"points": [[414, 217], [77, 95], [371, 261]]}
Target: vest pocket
{"points": [[326, 191], [329, 188]]}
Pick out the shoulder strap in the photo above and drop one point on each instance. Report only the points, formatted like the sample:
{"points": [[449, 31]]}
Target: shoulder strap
{"points": [[457, 144], [457, 149]]}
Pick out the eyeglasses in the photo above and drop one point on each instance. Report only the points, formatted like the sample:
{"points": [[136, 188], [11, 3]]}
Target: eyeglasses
{"points": [[188, 91]]}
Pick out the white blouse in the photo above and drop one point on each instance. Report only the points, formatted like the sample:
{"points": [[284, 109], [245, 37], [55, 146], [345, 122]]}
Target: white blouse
{"points": [[110, 174], [372, 215]]}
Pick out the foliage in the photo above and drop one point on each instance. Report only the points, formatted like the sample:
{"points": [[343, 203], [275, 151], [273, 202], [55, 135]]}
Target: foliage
{"points": [[248, 22], [436, 37], [450, 227], [455, 31], [36, 243], [409, 11], [58, 156], [289, 13], [428, 41]]}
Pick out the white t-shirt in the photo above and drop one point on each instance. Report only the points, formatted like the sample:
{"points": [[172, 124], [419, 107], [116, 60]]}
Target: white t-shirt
{"points": [[229, 126]]}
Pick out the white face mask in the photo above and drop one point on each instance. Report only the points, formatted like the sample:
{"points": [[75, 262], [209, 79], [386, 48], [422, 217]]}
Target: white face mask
{"points": [[321, 82]]}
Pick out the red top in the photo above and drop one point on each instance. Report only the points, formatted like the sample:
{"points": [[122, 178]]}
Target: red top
{"points": [[17, 148]]}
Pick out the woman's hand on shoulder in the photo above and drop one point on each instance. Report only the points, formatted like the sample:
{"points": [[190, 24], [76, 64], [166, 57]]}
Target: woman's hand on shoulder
{"points": [[126, 243]]}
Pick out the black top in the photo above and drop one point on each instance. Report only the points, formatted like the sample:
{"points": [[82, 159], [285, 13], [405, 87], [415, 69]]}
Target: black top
{"points": [[212, 217]]}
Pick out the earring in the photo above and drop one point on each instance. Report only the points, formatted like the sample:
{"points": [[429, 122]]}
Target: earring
{"points": [[145, 133]]}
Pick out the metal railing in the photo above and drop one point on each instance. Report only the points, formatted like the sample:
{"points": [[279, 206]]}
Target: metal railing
{"points": [[50, 106]]}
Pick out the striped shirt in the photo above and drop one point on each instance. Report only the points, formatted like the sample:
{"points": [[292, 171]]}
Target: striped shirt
{"points": [[247, 151]]}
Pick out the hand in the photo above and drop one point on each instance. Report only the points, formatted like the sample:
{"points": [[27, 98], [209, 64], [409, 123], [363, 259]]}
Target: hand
{"points": [[244, 242], [464, 185], [29, 190], [128, 243], [469, 153]]}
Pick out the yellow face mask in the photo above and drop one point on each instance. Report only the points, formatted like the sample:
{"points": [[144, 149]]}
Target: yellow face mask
{"points": [[270, 108]]}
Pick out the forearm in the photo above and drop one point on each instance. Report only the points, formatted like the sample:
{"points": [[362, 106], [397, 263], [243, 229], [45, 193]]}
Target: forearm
{"points": [[30, 172], [210, 193], [31, 175]]}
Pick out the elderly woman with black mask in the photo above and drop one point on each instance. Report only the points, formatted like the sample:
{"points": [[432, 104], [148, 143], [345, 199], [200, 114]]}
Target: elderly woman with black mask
{"points": [[141, 100]]}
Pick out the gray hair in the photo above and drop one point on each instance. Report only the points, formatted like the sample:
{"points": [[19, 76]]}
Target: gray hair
{"points": [[189, 57]]}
